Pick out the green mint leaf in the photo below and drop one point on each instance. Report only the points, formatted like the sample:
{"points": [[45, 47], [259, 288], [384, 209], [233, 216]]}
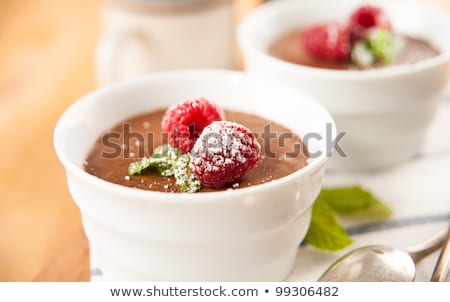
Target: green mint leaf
{"points": [[184, 176], [362, 55], [139, 167], [324, 231], [384, 45], [355, 201], [381, 45], [166, 151], [163, 159], [169, 161]]}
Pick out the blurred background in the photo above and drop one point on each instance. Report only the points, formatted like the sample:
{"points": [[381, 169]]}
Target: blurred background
{"points": [[51, 53]]}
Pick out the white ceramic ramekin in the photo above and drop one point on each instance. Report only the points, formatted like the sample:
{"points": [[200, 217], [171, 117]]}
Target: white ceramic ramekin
{"points": [[385, 112], [249, 234]]}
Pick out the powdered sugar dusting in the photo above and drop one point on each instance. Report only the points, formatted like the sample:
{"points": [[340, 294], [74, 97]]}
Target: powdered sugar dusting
{"points": [[224, 152]]}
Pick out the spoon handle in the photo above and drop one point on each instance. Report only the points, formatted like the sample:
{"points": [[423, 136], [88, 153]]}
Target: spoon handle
{"points": [[441, 270], [422, 250]]}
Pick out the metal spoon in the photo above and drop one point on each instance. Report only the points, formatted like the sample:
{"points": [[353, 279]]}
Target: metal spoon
{"points": [[442, 268], [381, 263]]}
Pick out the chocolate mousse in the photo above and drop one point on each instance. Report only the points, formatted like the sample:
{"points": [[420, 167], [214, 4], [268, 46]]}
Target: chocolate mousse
{"points": [[288, 48], [365, 40], [282, 152]]}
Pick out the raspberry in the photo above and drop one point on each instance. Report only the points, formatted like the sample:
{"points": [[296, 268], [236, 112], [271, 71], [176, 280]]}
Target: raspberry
{"points": [[225, 152], [329, 41], [366, 18], [184, 122]]}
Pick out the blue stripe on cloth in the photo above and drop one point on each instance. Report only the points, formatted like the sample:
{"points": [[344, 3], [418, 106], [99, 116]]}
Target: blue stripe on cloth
{"points": [[394, 224], [397, 223]]}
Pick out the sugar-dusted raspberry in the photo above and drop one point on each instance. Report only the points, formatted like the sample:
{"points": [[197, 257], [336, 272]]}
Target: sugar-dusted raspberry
{"points": [[328, 41], [367, 18], [184, 122], [225, 152]]}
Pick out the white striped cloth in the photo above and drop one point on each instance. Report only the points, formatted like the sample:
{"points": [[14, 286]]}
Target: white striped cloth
{"points": [[418, 191]]}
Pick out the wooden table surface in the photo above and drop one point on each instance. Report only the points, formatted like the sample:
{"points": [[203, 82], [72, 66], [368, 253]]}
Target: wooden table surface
{"points": [[46, 59], [46, 56]]}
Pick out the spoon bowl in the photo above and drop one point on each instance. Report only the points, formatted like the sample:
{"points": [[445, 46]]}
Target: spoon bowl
{"points": [[378, 263], [372, 263]]}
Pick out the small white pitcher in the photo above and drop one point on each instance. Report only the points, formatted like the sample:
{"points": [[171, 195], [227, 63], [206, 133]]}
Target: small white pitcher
{"points": [[142, 36]]}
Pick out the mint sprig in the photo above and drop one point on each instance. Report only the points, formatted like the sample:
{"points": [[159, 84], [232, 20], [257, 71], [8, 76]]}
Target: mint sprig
{"points": [[381, 45], [184, 176], [163, 159], [381, 42], [325, 232], [139, 167], [168, 161], [355, 201], [166, 158]]}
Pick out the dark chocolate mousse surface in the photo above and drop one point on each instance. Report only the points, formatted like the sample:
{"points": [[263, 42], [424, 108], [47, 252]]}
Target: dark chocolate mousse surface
{"points": [[282, 152], [288, 48]]}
